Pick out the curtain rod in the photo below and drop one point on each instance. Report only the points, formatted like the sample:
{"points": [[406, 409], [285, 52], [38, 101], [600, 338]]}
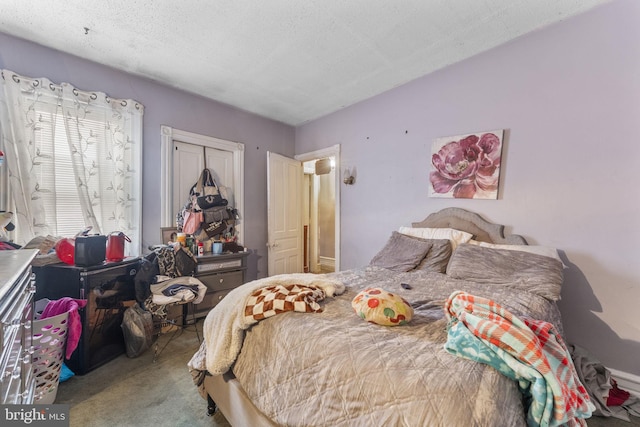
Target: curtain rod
{"points": [[92, 95]]}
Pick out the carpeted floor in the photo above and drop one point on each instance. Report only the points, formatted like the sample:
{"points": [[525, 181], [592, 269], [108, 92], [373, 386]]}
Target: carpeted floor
{"points": [[613, 422], [139, 392]]}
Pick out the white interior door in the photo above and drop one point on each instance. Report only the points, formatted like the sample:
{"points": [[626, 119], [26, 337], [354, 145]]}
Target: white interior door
{"points": [[188, 162], [284, 206], [220, 163]]}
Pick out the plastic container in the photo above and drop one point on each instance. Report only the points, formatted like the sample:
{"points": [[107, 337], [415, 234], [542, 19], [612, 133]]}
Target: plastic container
{"points": [[49, 342], [66, 249]]}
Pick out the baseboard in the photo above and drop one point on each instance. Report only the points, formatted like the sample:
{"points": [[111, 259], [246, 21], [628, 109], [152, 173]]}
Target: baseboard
{"points": [[626, 381], [327, 264]]}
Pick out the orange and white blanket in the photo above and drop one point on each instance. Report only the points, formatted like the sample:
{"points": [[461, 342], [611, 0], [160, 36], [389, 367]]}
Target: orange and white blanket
{"points": [[272, 300]]}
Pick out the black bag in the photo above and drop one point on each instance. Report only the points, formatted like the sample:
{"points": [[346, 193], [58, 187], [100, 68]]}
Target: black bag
{"points": [[217, 213], [185, 262], [137, 328], [215, 228], [206, 202], [206, 193]]}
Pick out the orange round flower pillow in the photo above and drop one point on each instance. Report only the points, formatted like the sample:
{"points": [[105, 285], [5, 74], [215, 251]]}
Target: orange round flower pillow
{"points": [[381, 307]]}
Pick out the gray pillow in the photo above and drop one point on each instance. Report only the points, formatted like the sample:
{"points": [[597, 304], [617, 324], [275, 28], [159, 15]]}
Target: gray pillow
{"points": [[530, 272], [401, 253], [438, 256]]}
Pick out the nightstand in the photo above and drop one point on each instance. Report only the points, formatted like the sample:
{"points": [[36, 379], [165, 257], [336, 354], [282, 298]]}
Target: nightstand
{"points": [[221, 273]]}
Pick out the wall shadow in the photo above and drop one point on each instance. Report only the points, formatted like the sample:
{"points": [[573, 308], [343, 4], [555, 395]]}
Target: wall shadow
{"points": [[584, 328]]}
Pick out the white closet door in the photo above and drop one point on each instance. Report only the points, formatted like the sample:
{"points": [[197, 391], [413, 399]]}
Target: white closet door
{"points": [[220, 163], [182, 159], [188, 162]]}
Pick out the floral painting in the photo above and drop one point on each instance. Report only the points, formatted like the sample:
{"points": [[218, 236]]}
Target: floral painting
{"points": [[466, 166]]}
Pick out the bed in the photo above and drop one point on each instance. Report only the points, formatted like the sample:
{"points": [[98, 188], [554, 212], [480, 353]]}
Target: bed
{"points": [[334, 368]]}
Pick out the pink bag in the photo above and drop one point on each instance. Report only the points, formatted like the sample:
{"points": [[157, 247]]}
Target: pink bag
{"points": [[192, 221]]}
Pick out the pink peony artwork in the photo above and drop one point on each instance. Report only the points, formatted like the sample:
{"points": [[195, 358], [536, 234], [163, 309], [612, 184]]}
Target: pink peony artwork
{"points": [[466, 166]]}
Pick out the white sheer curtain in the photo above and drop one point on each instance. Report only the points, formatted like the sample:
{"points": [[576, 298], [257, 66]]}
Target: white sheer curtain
{"points": [[73, 158]]}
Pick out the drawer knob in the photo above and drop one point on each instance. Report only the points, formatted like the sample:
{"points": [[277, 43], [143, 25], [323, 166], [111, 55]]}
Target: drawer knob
{"points": [[221, 280], [220, 297]]}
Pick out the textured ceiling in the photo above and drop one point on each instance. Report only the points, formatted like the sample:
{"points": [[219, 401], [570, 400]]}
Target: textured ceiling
{"points": [[288, 60]]}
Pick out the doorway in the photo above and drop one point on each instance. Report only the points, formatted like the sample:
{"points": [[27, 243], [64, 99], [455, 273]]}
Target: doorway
{"points": [[319, 215], [321, 210]]}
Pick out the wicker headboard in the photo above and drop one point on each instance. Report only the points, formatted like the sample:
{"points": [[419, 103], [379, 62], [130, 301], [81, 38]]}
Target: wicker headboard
{"points": [[471, 222]]}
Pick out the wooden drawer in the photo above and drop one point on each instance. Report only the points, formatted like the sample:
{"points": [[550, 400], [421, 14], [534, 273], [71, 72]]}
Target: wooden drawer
{"points": [[220, 274], [211, 299], [220, 263], [218, 285], [221, 281]]}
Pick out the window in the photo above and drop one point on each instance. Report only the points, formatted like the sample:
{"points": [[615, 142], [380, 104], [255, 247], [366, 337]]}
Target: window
{"points": [[60, 196], [73, 160]]}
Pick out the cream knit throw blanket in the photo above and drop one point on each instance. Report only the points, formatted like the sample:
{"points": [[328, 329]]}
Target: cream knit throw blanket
{"points": [[225, 324]]}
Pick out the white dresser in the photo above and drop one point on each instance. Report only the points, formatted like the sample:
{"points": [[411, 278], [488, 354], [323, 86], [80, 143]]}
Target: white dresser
{"points": [[17, 287]]}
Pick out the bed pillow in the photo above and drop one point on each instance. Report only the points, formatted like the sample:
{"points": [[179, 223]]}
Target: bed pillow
{"points": [[438, 256], [540, 250], [401, 253], [456, 237], [381, 307], [529, 272]]}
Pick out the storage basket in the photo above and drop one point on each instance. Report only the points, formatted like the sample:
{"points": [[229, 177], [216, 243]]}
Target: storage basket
{"points": [[49, 342]]}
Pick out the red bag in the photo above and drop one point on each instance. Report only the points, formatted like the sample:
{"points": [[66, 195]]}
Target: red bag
{"points": [[192, 221]]}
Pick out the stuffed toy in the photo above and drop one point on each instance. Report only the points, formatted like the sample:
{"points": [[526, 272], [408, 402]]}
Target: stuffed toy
{"points": [[376, 305]]}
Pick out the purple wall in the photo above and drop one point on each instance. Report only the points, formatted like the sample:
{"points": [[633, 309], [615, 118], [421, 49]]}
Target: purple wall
{"points": [[569, 97], [180, 110]]}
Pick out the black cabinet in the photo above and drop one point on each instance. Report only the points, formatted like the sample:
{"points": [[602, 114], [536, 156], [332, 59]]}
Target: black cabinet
{"points": [[109, 289]]}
